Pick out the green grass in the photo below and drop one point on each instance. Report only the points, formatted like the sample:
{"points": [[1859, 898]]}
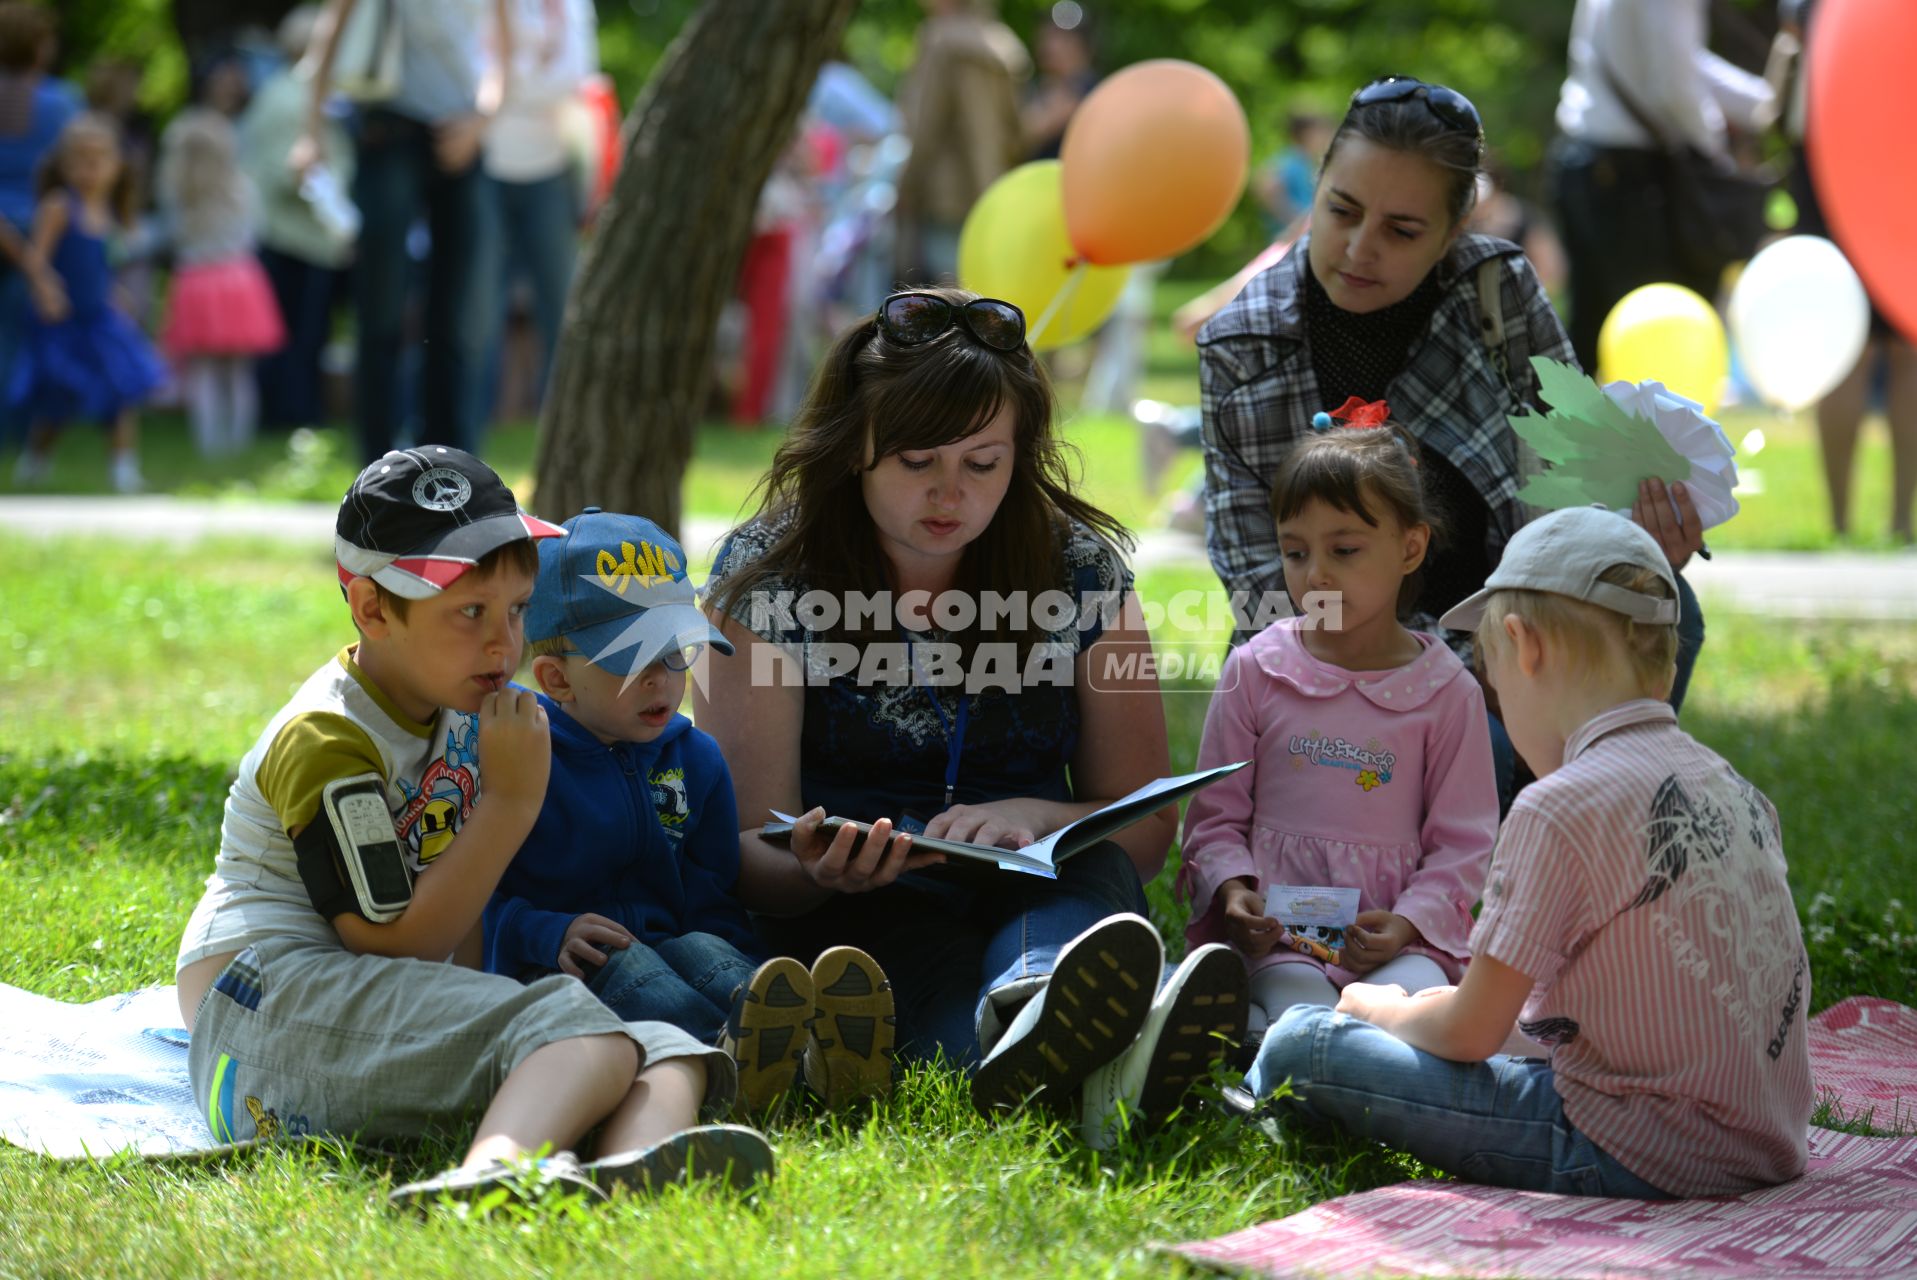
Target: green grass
{"points": [[132, 680]]}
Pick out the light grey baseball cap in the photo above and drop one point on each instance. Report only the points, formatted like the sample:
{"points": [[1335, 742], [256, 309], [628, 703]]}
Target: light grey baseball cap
{"points": [[1564, 552]]}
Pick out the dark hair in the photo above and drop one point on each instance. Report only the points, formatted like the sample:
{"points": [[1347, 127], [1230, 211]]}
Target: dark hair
{"points": [[1345, 466], [1409, 126], [870, 389], [25, 30], [521, 554]]}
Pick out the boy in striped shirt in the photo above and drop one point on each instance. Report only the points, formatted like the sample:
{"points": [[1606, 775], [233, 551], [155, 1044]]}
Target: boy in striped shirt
{"points": [[1636, 923]]}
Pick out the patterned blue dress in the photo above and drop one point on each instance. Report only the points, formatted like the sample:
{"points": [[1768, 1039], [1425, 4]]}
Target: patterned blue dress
{"points": [[94, 363]]}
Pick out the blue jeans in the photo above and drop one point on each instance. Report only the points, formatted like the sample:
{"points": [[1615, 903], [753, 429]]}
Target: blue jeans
{"points": [[531, 229], [398, 180], [687, 981], [947, 938], [1498, 1122], [1690, 639]]}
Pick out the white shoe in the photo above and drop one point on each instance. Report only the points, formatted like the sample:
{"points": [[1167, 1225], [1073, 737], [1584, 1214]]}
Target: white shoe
{"points": [[1193, 1023], [125, 472], [1099, 994]]}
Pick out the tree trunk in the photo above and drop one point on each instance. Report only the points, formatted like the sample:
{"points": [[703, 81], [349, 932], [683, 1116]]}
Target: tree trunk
{"points": [[634, 359]]}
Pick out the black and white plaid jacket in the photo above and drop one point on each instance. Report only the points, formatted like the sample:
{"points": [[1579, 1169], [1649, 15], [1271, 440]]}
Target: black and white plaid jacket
{"points": [[1258, 393]]}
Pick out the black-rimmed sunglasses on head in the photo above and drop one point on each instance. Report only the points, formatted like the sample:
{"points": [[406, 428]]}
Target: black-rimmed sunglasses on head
{"points": [[1451, 108], [911, 319]]}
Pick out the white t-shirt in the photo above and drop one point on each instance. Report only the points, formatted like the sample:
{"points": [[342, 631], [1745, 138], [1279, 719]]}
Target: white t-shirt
{"points": [[555, 49]]}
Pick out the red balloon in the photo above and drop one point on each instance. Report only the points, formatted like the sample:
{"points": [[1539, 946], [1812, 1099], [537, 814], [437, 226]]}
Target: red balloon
{"points": [[1863, 152]]}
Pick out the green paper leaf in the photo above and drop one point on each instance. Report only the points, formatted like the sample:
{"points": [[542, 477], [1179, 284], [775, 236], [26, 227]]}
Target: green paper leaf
{"points": [[1596, 450]]}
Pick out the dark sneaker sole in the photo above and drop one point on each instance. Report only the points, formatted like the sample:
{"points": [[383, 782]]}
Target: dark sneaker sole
{"points": [[855, 1028], [1094, 1005], [1206, 1019], [766, 1033], [733, 1154]]}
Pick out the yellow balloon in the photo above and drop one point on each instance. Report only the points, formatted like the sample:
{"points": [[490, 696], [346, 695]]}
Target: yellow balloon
{"points": [[1666, 333], [1014, 246]]}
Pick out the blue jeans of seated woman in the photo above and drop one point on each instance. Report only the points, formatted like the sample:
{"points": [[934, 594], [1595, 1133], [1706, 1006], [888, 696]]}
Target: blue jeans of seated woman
{"points": [[946, 942], [686, 981], [1690, 639], [1498, 1122]]}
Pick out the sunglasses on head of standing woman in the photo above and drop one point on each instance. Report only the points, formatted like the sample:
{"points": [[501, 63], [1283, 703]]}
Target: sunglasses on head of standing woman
{"points": [[1451, 108]]}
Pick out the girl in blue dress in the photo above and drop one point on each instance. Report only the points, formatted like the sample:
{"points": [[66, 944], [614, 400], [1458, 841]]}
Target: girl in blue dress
{"points": [[81, 356]]}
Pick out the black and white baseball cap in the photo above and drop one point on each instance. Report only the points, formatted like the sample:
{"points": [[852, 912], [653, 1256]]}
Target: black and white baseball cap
{"points": [[416, 519]]}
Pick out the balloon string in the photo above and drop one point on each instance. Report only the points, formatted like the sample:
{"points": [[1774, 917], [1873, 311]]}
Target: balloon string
{"points": [[1058, 302]]}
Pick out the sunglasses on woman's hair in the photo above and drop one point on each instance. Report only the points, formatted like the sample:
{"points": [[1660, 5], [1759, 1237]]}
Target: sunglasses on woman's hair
{"points": [[911, 319], [1452, 108]]}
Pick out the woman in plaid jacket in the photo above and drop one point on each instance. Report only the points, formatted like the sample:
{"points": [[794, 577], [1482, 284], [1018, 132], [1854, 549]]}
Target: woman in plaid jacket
{"points": [[1387, 299]]}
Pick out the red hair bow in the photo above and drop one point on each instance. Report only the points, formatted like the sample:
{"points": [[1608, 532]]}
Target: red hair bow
{"points": [[1362, 414]]}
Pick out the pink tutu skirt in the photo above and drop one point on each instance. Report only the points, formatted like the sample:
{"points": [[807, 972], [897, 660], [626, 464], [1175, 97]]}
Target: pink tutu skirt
{"points": [[222, 309]]}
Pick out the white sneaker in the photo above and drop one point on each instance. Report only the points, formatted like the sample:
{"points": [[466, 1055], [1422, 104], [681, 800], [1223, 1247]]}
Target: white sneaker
{"points": [[1194, 1022], [125, 472], [1100, 991]]}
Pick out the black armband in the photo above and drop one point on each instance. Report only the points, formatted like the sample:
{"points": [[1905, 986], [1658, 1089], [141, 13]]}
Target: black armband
{"points": [[349, 858]]}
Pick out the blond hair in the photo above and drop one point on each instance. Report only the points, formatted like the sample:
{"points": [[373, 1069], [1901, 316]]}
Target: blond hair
{"points": [[550, 647], [1593, 636]]}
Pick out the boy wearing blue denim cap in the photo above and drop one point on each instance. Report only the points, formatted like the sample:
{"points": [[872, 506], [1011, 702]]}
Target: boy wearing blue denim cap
{"points": [[628, 879]]}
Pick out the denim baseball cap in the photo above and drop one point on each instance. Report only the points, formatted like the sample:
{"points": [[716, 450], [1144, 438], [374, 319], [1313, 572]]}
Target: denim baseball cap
{"points": [[1566, 552], [616, 587]]}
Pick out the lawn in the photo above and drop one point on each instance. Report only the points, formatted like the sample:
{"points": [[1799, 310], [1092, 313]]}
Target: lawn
{"points": [[133, 678]]}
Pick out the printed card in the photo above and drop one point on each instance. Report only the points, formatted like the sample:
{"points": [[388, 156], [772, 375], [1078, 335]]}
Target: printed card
{"points": [[1321, 905], [1315, 918]]}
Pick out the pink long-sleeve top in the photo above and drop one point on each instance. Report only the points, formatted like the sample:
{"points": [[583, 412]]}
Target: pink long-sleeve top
{"points": [[1376, 780]]}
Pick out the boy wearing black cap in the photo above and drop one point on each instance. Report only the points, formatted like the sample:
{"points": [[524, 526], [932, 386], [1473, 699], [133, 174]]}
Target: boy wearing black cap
{"points": [[356, 855], [629, 878]]}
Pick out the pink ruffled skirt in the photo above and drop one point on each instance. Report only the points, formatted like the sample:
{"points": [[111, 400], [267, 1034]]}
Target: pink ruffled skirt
{"points": [[222, 309]]}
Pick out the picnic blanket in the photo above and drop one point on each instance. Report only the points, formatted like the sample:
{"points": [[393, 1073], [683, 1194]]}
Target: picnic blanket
{"points": [[1853, 1214], [1864, 1059], [93, 1080]]}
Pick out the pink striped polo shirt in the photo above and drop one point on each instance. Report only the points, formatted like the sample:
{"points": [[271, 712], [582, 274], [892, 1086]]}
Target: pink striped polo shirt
{"points": [[1641, 888]]}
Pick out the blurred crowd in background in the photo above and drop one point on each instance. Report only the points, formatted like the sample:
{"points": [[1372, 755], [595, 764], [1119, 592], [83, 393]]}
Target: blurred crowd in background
{"points": [[395, 249]]}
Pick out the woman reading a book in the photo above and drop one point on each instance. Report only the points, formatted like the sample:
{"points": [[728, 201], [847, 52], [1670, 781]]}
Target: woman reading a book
{"points": [[1388, 299], [935, 635]]}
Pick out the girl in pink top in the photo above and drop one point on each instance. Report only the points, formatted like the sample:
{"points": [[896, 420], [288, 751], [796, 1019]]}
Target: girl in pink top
{"points": [[1370, 747]]}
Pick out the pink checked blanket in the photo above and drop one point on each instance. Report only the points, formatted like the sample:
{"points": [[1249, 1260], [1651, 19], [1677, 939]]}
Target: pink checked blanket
{"points": [[1864, 1059], [1853, 1214]]}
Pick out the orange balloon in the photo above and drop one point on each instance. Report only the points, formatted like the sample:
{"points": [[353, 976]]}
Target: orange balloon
{"points": [[1154, 161], [1863, 154]]}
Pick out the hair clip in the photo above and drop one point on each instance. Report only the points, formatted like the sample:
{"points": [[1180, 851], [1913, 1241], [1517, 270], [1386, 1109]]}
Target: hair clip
{"points": [[1362, 414], [1321, 422]]}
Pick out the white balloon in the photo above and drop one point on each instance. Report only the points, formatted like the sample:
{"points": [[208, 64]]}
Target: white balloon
{"points": [[1799, 318]]}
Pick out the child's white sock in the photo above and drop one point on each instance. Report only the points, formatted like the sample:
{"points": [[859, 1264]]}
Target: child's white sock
{"points": [[1276, 988]]}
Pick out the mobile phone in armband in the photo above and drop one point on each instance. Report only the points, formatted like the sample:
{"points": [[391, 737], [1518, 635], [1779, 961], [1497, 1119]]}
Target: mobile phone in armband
{"points": [[368, 847]]}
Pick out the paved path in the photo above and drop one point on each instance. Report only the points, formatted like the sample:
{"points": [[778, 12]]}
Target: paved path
{"points": [[1778, 583]]}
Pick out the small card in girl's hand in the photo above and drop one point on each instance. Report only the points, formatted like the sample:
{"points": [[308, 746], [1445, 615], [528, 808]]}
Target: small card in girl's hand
{"points": [[1315, 917]]}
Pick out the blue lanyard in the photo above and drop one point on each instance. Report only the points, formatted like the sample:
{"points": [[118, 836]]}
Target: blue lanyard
{"points": [[954, 728]]}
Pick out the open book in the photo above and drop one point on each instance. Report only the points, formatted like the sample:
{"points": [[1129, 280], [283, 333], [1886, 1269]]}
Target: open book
{"points": [[1042, 857]]}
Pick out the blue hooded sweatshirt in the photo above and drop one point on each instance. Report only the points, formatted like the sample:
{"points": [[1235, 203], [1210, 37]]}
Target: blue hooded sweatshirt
{"points": [[645, 833]]}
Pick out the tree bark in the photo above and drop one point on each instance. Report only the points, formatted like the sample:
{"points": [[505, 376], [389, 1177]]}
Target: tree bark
{"points": [[634, 359]]}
